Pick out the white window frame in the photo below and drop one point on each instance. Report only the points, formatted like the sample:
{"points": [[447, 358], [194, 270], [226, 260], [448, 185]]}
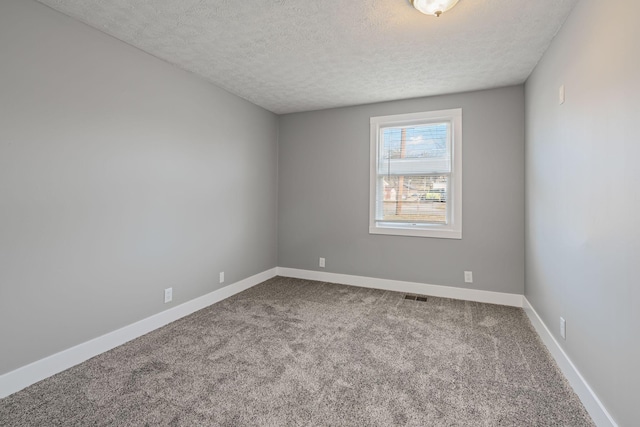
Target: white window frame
{"points": [[453, 228]]}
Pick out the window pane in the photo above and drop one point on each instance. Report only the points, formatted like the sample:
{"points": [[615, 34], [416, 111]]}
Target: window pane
{"points": [[414, 199], [415, 149]]}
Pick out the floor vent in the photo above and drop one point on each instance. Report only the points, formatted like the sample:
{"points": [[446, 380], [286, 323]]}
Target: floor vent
{"points": [[415, 297]]}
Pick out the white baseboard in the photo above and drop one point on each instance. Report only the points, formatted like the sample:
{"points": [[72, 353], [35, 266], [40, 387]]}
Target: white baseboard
{"points": [[20, 378], [514, 300], [592, 404]]}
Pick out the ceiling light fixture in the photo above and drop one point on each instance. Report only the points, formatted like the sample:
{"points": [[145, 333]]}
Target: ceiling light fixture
{"points": [[433, 7]]}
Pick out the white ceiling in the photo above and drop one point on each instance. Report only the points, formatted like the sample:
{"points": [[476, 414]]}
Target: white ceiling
{"points": [[299, 55]]}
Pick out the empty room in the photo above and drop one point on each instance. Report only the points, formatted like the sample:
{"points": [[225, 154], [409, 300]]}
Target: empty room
{"points": [[319, 213]]}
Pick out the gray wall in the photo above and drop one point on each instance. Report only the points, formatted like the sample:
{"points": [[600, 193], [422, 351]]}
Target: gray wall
{"points": [[120, 175], [323, 186], [583, 197]]}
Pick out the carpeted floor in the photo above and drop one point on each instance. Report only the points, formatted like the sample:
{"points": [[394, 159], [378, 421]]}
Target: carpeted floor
{"points": [[292, 352]]}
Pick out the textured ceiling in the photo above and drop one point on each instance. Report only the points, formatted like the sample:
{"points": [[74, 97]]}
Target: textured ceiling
{"points": [[298, 55]]}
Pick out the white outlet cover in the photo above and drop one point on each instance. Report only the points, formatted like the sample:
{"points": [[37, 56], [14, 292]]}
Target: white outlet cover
{"points": [[561, 95], [563, 328], [322, 262], [468, 277], [222, 277], [168, 295]]}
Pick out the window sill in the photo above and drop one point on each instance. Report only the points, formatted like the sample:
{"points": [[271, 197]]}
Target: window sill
{"points": [[417, 232]]}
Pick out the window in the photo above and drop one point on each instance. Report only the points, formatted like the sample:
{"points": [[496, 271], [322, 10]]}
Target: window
{"points": [[416, 174]]}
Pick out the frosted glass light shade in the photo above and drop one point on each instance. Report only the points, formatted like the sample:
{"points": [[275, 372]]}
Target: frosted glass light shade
{"points": [[433, 7]]}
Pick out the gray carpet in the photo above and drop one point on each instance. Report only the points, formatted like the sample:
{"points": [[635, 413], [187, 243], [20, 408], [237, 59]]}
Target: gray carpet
{"points": [[295, 352]]}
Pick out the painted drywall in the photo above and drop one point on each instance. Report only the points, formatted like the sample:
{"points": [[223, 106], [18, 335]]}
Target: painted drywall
{"points": [[120, 175], [323, 208], [583, 198]]}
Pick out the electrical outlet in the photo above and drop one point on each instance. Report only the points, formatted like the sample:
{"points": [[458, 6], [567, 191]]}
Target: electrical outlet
{"points": [[168, 295], [563, 328], [322, 262], [468, 277], [222, 277], [561, 95]]}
